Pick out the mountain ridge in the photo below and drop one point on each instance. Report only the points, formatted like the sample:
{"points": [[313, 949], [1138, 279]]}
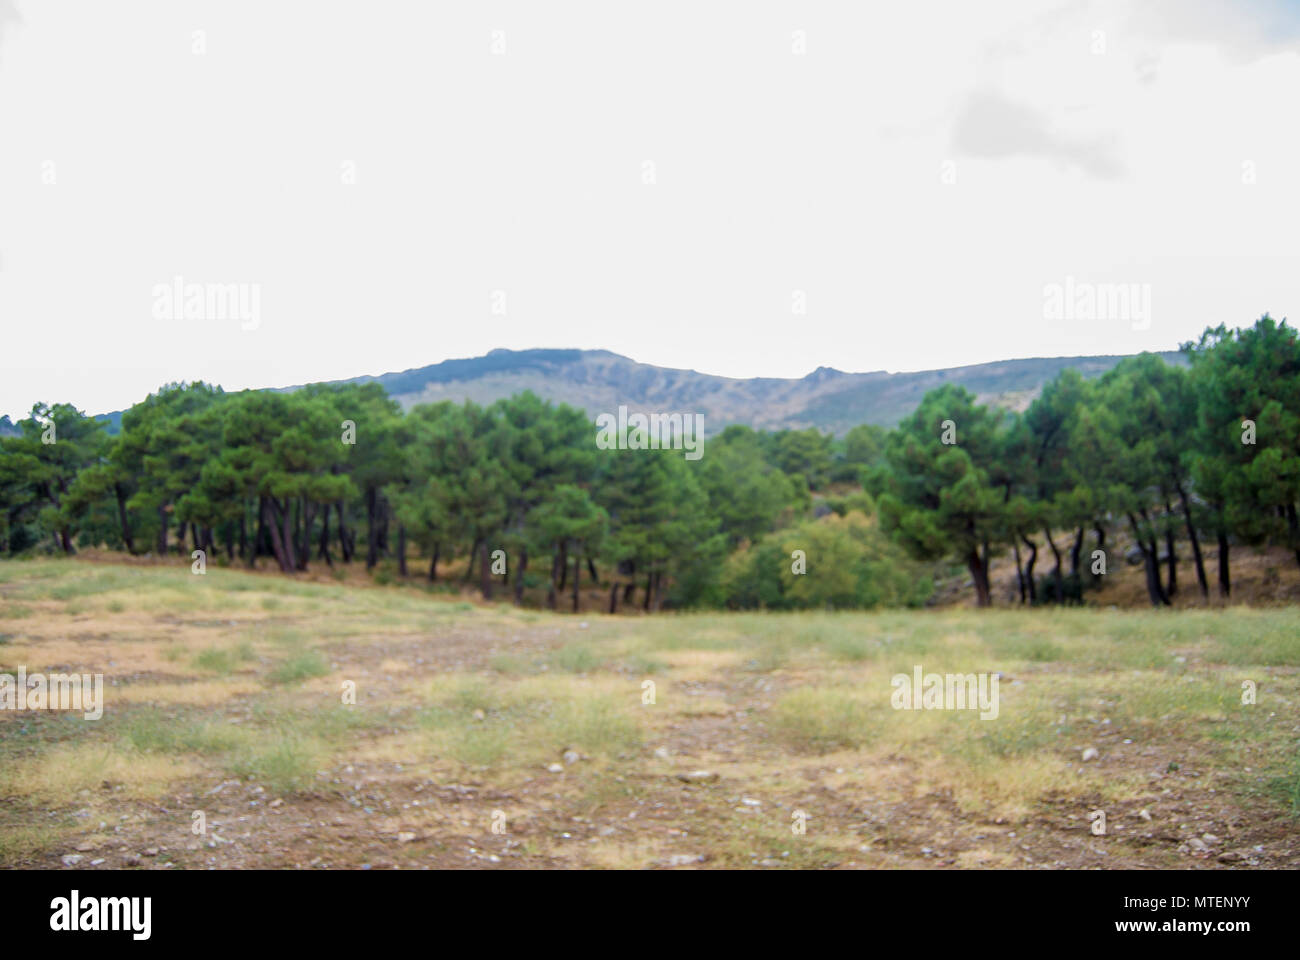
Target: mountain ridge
{"points": [[599, 381]]}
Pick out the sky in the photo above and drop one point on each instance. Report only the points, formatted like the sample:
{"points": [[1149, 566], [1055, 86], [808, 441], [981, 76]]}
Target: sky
{"points": [[739, 188]]}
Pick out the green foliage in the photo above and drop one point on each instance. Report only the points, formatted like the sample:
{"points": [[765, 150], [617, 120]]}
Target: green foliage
{"points": [[338, 471]]}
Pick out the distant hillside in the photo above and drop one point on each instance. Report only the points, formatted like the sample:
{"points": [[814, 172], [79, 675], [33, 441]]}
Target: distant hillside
{"points": [[598, 381]]}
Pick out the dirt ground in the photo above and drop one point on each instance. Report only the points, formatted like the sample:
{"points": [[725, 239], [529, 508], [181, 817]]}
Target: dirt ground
{"points": [[490, 737]]}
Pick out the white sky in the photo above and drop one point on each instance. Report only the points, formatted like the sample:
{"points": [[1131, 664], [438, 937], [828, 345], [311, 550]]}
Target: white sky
{"points": [[522, 172]]}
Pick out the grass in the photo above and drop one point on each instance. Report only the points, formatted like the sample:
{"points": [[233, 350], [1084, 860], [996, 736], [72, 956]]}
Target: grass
{"points": [[229, 676], [300, 666]]}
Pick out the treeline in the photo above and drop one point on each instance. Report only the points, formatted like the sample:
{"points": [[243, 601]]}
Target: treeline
{"points": [[1174, 456], [519, 493]]}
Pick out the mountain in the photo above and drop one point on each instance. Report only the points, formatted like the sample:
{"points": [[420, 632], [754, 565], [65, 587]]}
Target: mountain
{"points": [[598, 381]]}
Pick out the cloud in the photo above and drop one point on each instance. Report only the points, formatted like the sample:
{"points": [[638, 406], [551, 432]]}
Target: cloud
{"points": [[990, 125]]}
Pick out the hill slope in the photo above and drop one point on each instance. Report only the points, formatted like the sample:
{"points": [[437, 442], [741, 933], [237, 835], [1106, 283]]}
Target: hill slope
{"points": [[598, 381]]}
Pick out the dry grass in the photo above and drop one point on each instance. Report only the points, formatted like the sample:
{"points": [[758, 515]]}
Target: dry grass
{"points": [[227, 691]]}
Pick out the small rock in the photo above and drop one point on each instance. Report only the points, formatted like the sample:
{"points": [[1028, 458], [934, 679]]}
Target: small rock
{"points": [[276, 803], [405, 837], [95, 863], [697, 776], [662, 753], [571, 756], [85, 846], [71, 859], [1144, 813], [131, 861], [1090, 754], [480, 715], [151, 852], [1195, 845], [682, 859], [1209, 838], [555, 768]]}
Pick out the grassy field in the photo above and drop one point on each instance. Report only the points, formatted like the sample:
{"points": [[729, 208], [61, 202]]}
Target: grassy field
{"points": [[486, 736]]}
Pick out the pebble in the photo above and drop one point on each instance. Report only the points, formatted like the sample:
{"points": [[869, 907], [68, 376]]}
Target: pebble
{"points": [[697, 776], [1090, 754], [71, 859], [555, 768]]}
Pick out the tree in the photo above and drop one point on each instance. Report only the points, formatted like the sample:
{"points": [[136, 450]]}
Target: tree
{"points": [[939, 500]]}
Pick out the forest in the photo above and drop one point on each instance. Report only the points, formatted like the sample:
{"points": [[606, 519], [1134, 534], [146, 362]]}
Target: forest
{"points": [[519, 496]]}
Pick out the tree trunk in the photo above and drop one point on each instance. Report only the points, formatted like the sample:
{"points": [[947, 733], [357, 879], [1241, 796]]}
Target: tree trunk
{"points": [[1172, 589], [401, 550], [372, 532], [304, 550], [591, 569], [1225, 582], [123, 519], [433, 563], [162, 530], [344, 546], [613, 598], [1029, 569], [1075, 551], [278, 544], [564, 565], [469, 567], [325, 537], [1196, 543], [485, 573], [1293, 529], [649, 579], [1020, 573], [519, 576], [552, 590], [978, 574], [259, 538], [1151, 565], [1056, 571], [577, 574]]}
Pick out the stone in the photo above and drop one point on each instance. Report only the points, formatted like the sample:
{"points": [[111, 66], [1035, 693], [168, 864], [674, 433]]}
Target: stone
{"points": [[697, 776]]}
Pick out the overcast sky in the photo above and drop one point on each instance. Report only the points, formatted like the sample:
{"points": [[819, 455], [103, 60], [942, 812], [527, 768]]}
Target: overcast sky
{"points": [[401, 183]]}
